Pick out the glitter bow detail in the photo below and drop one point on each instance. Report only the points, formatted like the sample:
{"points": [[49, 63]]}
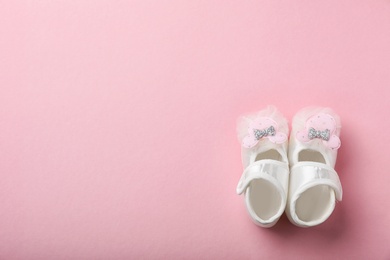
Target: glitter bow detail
{"points": [[263, 127], [324, 135], [323, 127], [265, 132]]}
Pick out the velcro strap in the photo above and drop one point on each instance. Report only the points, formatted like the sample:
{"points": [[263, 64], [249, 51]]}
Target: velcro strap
{"points": [[264, 169], [308, 174]]}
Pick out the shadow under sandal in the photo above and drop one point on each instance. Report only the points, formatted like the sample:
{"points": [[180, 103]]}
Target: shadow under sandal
{"points": [[264, 157], [314, 184]]}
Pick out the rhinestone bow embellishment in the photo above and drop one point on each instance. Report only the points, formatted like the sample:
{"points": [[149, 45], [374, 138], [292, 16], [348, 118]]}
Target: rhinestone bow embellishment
{"points": [[324, 135], [263, 127], [265, 132], [323, 127]]}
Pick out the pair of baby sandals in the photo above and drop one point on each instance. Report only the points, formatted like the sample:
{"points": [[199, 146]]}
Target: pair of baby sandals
{"points": [[296, 176]]}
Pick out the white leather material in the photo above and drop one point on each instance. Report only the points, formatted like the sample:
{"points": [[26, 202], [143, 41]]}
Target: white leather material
{"points": [[271, 170], [305, 175]]}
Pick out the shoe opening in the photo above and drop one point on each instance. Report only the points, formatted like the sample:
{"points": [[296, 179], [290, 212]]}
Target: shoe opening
{"points": [[264, 198], [311, 156], [315, 204], [269, 154]]}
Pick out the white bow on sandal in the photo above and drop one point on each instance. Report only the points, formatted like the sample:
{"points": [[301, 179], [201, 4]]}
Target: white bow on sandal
{"points": [[314, 184], [264, 156]]}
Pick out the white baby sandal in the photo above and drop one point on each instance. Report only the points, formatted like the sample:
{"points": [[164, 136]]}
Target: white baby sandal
{"points": [[264, 156], [314, 184]]}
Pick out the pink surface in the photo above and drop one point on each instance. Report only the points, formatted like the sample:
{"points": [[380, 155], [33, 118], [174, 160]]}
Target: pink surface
{"points": [[118, 139]]}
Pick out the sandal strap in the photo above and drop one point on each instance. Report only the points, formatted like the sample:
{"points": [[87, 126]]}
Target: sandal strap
{"points": [[305, 175], [271, 170]]}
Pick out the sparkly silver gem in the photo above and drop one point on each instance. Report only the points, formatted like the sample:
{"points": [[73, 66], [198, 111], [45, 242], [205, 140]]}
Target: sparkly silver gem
{"points": [[264, 132], [324, 135]]}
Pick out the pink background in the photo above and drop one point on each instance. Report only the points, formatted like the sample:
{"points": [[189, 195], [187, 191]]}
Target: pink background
{"points": [[117, 118]]}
